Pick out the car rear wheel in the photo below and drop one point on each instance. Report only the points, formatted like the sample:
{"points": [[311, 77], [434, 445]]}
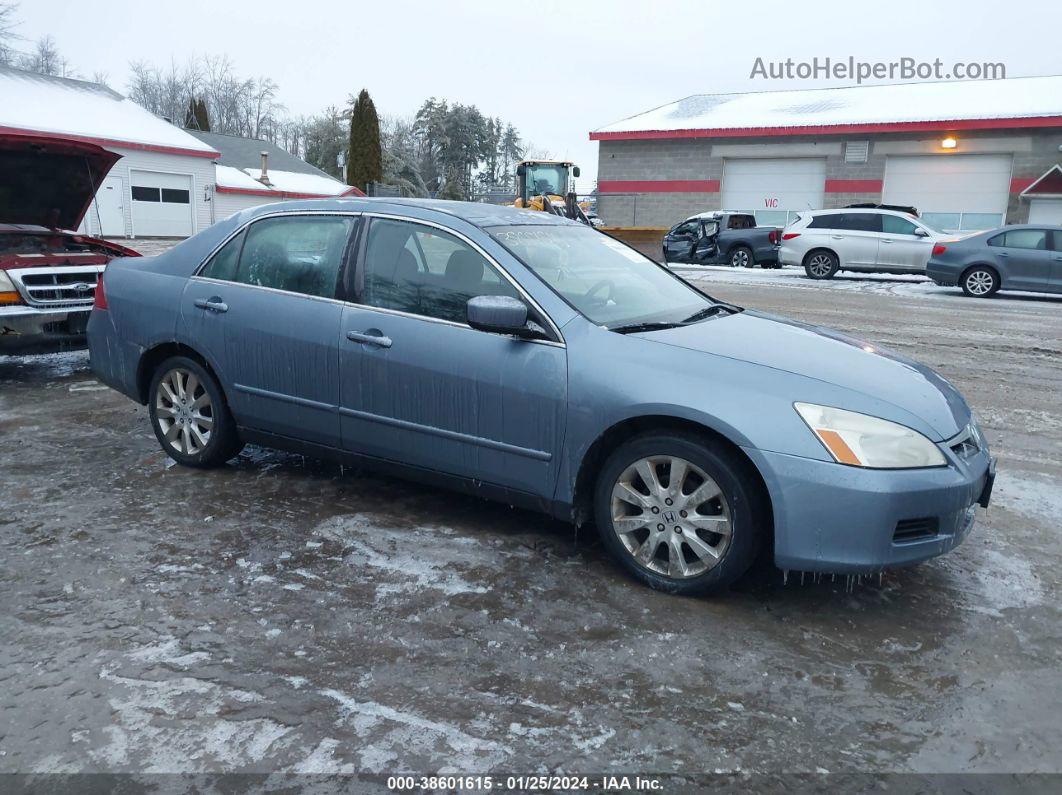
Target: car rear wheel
{"points": [[679, 513], [980, 282], [189, 415], [821, 265], [741, 257]]}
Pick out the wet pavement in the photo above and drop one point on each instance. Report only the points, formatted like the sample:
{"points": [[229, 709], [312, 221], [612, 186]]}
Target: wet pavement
{"points": [[284, 614]]}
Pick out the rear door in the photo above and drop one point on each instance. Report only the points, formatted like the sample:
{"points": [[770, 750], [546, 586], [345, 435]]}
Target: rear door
{"points": [[264, 312], [900, 247], [421, 387], [1055, 285], [1026, 258], [853, 236]]}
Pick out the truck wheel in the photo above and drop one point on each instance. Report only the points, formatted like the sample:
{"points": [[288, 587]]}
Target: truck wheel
{"points": [[821, 264], [741, 257], [680, 513]]}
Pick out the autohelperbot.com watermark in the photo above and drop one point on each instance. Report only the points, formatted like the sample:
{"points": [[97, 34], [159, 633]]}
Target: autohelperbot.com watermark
{"points": [[851, 68]]}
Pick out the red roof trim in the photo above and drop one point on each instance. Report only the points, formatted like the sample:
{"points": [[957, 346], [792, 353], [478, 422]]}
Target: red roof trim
{"points": [[169, 150], [278, 194], [658, 186], [836, 129], [854, 185]]}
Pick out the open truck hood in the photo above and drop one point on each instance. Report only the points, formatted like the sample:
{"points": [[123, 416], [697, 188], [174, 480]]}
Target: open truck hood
{"points": [[47, 181]]}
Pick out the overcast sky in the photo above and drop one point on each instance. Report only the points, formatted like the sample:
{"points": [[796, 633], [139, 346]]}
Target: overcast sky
{"points": [[555, 70]]}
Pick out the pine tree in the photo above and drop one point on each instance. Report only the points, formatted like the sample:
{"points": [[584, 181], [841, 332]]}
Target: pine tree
{"points": [[452, 187], [364, 159], [202, 117], [190, 121]]}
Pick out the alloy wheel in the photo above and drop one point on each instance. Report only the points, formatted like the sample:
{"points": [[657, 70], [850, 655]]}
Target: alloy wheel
{"points": [[740, 258], [184, 412], [820, 265], [671, 517], [980, 282]]}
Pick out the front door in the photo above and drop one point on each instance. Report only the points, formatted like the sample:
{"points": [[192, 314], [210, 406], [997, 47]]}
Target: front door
{"points": [[900, 247], [420, 387], [263, 311], [679, 242]]}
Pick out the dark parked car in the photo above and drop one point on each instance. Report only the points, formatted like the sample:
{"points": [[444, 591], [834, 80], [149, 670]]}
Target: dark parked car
{"points": [[532, 359], [47, 271], [1025, 257], [723, 238]]}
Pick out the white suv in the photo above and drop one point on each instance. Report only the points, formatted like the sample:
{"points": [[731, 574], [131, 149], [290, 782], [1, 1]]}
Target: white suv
{"points": [[869, 240]]}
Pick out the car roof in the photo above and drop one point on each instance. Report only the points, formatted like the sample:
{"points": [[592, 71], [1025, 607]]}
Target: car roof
{"points": [[872, 210], [476, 213]]}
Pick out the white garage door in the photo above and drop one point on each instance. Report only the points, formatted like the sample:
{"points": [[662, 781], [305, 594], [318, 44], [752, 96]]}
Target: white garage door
{"points": [[951, 192], [774, 189], [162, 204], [1045, 211]]}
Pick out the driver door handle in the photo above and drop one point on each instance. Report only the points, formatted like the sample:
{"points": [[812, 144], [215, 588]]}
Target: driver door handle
{"points": [[379, 340], [212, 304]]}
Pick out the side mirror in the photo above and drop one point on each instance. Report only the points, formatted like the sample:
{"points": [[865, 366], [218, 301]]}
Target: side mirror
{"points": [[521, 170], [575, 171], [501, 314], [920, 232]]}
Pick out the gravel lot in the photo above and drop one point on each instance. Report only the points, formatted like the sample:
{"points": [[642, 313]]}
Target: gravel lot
{"points": [[282, 614]]}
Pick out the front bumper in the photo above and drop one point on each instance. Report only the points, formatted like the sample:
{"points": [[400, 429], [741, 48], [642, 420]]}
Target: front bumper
{"points": [[846, 520], [27, 329]]}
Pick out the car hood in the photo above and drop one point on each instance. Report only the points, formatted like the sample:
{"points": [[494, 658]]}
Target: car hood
{"points": [[828, 356], [48, 181]]}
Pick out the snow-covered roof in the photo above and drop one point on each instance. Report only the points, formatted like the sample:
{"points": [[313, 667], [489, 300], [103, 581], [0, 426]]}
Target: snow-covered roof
{"points": [[292, 182], [282, 183], [87, 111], [1023, 98]]}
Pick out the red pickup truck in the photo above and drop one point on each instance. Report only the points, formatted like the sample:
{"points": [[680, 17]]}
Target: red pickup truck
{"points": [[48, 273]]}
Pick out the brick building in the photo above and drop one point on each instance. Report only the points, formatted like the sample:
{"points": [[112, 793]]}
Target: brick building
{"points": [[969, 155]]}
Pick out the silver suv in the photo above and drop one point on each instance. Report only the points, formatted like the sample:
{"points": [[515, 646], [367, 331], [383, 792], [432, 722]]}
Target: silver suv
{"points": [[868, 240]]}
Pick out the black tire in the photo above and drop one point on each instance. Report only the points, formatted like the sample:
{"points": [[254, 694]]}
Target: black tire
{"points": [[980, 281], [741, 257], [185, 419], [741, 501], [821, 264]]}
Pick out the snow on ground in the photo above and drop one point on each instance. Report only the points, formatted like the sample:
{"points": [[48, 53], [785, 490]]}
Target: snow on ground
{"points": [[907, 286]]}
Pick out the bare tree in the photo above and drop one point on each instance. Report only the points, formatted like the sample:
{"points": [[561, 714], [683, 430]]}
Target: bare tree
{"points": [[45, 58], [8, 23]]}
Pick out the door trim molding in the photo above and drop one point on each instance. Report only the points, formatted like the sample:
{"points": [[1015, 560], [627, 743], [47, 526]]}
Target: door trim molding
{"points": [[479, 441]]}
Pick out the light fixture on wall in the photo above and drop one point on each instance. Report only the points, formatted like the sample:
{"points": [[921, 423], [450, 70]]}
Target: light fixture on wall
{"points": [[949, 143]]}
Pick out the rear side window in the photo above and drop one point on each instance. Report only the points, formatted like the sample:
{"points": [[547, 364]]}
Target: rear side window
{"points": [[824, 222], [860, 222], [297, 254], [1021, 238], [741, 222], [223, 264]]}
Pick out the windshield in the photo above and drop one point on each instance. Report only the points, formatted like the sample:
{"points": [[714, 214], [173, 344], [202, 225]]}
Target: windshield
{"points": [[551, 180], [608, 282]]}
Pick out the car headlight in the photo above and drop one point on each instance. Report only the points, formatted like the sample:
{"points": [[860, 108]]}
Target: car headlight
{"points": [[8, 293], [864, 441]]}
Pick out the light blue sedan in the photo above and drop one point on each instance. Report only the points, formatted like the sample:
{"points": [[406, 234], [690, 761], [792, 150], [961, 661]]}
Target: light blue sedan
{"points": [[526, 358]]}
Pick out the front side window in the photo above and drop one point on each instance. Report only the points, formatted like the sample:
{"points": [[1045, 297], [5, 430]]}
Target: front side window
{"points": [[896, 226], [297, 254], [609, 283], [423, 270]]}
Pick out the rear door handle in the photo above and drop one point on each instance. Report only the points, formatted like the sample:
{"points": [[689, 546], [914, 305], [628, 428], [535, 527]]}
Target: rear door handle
{"points": [[837, 237], [379, 340], [1004, 254], [885, 241], [212, 304]]}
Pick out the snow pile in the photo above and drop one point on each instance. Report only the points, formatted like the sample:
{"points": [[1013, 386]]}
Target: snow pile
{"points": [[1020, 97]]}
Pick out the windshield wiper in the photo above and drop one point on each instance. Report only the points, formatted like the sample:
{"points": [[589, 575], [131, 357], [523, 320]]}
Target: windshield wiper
{"points": [[632, 328], [708, 311]]}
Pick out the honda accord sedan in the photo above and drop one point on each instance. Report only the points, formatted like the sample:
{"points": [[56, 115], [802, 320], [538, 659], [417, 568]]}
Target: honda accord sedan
{"points": [[527, 358]]}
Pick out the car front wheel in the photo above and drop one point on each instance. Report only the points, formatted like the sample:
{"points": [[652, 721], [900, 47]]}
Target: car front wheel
{"points": [[679, 513], [189, 415], [980, 282], [821, 265]]}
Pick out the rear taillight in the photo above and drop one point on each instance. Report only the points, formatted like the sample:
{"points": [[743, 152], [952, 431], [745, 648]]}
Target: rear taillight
{"points": [[790, 235], [939, 249], [100, 299], [772, 236]]}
